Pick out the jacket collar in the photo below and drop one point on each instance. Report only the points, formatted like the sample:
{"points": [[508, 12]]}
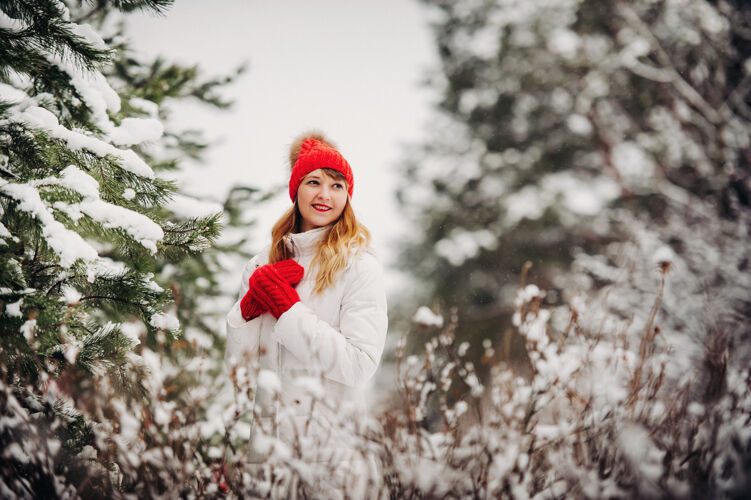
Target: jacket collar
{"points": [[305, 243]]}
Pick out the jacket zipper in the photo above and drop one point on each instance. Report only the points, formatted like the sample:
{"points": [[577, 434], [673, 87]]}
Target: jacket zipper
{"points": [[279, 353]]}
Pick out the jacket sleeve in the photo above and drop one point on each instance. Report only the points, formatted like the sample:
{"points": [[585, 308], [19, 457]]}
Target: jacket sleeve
{"points": [[242, 336], [350, 354]]}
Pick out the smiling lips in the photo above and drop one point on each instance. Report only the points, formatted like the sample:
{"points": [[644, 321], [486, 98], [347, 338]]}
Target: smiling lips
{"points": [[321, 208]]}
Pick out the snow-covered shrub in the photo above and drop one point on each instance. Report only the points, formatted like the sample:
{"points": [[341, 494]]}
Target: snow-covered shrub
{"points": [[604, 412], [604, 415], [611, 408]]}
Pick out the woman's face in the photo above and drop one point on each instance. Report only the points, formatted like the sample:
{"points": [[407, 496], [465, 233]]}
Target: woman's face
{"points": [[320, 199]]}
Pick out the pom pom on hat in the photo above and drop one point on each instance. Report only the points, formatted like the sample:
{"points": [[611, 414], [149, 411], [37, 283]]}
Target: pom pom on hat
{"points": [[312, 151], [295, 148]]}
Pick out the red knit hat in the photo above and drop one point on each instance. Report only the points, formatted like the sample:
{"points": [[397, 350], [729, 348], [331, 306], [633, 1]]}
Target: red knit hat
{"points": [[311, 152]]}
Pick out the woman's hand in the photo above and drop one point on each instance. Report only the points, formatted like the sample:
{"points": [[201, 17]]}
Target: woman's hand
{"points": [[271, 291], [287, 271]]}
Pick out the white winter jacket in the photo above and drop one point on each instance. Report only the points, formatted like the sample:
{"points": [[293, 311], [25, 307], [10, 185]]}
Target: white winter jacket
{"points": [[339, 333]]}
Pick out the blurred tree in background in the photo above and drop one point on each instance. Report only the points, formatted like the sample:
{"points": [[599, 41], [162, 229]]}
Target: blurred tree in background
{"points": [[567, 128]]}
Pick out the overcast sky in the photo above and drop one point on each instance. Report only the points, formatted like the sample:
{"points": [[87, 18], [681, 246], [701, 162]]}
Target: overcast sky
{"points": [[349, 67]]}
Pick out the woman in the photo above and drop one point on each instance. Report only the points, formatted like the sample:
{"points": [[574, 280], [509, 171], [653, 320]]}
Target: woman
{"points": [[312, 303]]}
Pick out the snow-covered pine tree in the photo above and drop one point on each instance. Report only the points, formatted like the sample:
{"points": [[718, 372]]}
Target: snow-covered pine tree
{"points": [[80, 209], [551, 112], [84, 218], [88, 228]]}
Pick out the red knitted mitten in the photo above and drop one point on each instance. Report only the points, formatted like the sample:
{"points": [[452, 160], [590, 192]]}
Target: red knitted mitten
{"points": [[272, 292], [289, 270], [249, 308]]}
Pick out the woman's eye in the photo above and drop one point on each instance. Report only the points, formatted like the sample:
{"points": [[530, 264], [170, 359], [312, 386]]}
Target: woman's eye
{"points": [[338, 186], [312, 181]]}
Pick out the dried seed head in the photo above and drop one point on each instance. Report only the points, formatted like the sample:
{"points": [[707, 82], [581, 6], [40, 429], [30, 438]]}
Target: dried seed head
{"points": [[664, 266], [663, 257]]}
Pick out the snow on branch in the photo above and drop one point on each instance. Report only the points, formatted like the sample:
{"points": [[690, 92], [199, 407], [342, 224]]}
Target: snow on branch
{"points": [[42, 119], [66, 243]]}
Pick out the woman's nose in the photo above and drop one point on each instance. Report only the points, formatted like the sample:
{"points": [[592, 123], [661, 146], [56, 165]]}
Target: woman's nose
{"points": [[324, 193]]}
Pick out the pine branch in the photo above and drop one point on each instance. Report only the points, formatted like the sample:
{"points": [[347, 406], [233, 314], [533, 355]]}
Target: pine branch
{"points": [[44, 268], [110, 297], [7, 174], [99, 8], [156, 6], [57, 285], [159, 81], [121, 295], [46, 30], [190, 237]]}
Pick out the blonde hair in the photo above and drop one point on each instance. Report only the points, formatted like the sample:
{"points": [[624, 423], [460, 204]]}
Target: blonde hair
{"points": [[345, 237]]}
